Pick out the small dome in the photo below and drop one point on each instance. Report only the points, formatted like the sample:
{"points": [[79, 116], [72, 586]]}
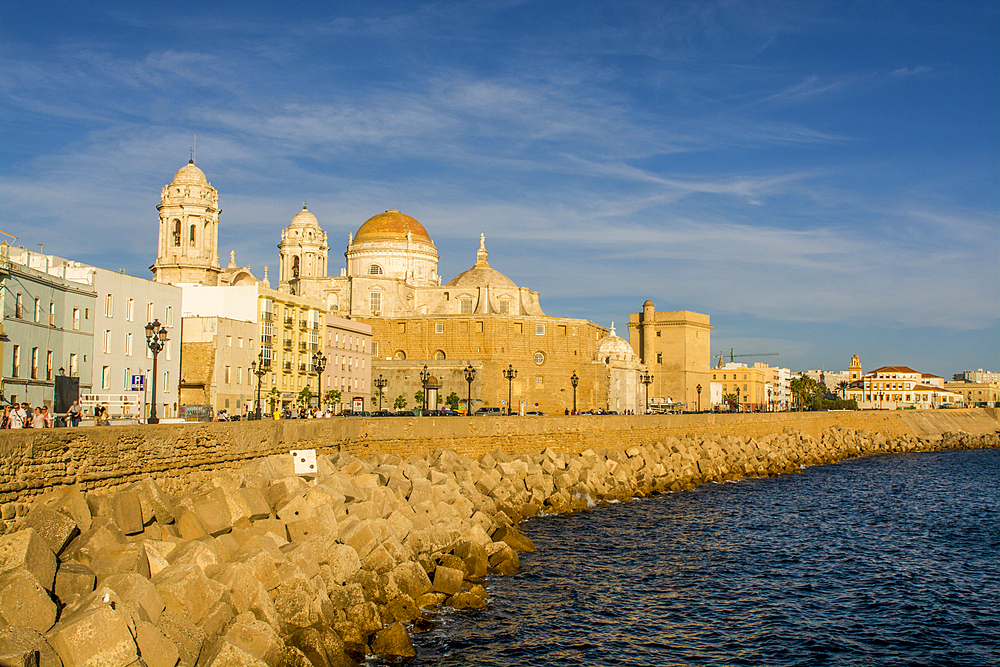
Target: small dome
{"points": [[614, 347], [304, 219], [190, 174], [481, 276], [393, 226]]}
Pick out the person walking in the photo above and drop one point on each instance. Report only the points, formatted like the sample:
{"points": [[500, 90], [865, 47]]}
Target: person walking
{"points": [[75, 412], [47, 417], [14, 419], [38, 420]]}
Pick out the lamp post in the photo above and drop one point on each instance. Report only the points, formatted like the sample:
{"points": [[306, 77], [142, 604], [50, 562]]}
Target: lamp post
{"points": [[319, 363], [510, 374], [699, 397], [424, 377], [770, 408], [258, 368], [380, 384], [647, 380], [470, 375], [156, 339], [738, 408], [574, 380]]}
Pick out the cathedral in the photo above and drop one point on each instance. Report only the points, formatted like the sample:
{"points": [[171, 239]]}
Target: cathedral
{"points": [[479, 324]]}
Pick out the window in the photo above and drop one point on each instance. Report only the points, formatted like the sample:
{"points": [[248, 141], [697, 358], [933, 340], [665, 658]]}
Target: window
{"points": [[16, 368], [439, 355], [130, 310], [34, 363], [376, 302], [177, 235], [657, 334], [72, 365], [539, 329], [239, 375], [228, 374], [128, 344], [52, 314], [48, 365], [659, 357], [86, 313], [229, 341], [167, 348], [166, 386], [374, 270], [170, 316], [149, 312], [38, 310], [374, 348], [239, 341], [107, 341], [439, 327], [18, 307], [109, 306], [539, 358], [106, 377], [76, 319], [505, 306], [466, 306], [191, 236]]}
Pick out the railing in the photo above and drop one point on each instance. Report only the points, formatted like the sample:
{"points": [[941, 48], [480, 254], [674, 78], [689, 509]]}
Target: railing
{"points": [[289, 321], [266, 316], [314, 326], [303, 324], [287, 343], [304, 367], [287, 365]]}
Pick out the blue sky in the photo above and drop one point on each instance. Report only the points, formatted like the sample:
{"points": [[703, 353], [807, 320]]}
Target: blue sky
{"points": [[820, 178]]}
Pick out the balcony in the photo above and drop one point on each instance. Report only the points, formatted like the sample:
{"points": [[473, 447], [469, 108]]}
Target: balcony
{"points": [[303, 324], [289, 321], [304, 367], [287, 343], [287, 365], [266, 316], [314, 326], [303, 347]]}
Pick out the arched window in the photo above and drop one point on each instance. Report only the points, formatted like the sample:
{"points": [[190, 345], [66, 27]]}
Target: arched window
{"points": [[400, 355], [295, 267], [191, 239], [439, 355], [374, 270], [177, 233]]}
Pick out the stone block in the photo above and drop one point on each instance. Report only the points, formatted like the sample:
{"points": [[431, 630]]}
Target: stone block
{"points": [[185, 635], [293, 601], [157, 554], [154, 647], [103, 534], [344, 562], [262, 564], [25, 602], [129, 557], [26, 550], [365, 617], [465, 600], [227, 654], [197, 552], [127, 511], [26, 644], [412, 579], [403, 609], [138, 591], [514, 538], [256, 505], [189, 526], [73, 581], [256, 637], [393, 641], [213, 512], [187, 591], [56, 528], [70, 501], [154, 502], [98, 637], [448, 580], [216, 620]]}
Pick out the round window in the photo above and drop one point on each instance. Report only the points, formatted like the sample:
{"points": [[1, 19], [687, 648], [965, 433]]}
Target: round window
{"points": [[539, 358]]}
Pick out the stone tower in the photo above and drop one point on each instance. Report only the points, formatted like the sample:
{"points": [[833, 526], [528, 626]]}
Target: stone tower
{"points": [[303, 252], [854, 370], [188, 249]]}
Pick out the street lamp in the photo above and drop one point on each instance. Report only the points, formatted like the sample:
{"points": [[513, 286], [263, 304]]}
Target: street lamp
{"points": [[424, 377], [699, 397], [574, 380], [770, 408], [647, 380], [319, 363], [510, 374], [156, 339], [258, 369], [738, 407], [470, 375], [380, 383]]}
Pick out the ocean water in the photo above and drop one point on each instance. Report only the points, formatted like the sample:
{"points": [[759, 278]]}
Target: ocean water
{"points": [[883, 560]]}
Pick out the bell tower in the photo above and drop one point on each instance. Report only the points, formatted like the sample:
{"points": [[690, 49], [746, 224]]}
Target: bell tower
{"points": [[303, 253], [854, 370], [188, 249]]}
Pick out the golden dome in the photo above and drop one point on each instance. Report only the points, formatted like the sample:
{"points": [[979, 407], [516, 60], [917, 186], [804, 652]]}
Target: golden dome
{"points": [[391, 225], [190, 174]]}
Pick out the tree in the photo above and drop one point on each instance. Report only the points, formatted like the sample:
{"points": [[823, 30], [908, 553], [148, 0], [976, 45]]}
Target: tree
{"points": [[731, 400], [399, 403], [843, 386], [453, 401], [331, 398], [273, 396], [305, 397], [808, 392], [419, 398]]}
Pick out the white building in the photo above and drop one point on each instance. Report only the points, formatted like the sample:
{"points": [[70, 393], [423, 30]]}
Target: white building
{"points": [[898, 387]]}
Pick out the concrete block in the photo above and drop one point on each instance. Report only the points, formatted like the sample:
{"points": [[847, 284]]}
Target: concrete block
{"points": [[344, 562], [448, 580], [213, 512], [70, 501], [256, 637], [56, 528], [157, 554], [293, 602], [196, 552], [25, 602], [412, 579], [227, 654], [129, 557], [393, 641], [185, 635], [256, 504], [138, 591], [103, 534], [73, 580], [154, 647], [296, 509], [262, 564], [365, 617], [189, 526], [26, 550], [361, 538], [216, 620], [95, 637], [187, 591], [154, 502], [127, 511], [26, 644]]}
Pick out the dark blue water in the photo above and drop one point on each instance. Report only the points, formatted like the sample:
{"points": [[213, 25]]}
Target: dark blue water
{"points": [[887, 560]]}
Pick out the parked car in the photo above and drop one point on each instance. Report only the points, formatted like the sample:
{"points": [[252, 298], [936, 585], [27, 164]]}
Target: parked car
{"points": [[535, 413], [488, 412]]}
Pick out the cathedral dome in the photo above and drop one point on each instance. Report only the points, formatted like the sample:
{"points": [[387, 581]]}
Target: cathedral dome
{"points": [[190, 174], [304, 219], [391, 225], [481, 276], [614, 347]]}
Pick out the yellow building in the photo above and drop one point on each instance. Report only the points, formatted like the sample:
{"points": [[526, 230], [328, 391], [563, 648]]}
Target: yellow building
{"points": [[749, 384], [976, 394]]}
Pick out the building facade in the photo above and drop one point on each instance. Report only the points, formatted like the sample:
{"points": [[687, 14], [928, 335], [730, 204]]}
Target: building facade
{"points": [[898, 387], [216, 368], [188, 238], [976, 394], [347, 345]]}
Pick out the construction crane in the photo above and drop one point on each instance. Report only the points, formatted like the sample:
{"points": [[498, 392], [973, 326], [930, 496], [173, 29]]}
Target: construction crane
{"points": [[732, 355]]}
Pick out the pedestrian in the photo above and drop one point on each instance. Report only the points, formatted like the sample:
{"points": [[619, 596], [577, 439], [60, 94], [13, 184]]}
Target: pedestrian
{"points": [[101, 415], [38, 420], [47, 416], [14, 419], [5, 418], [24, 412], [75, 412]]}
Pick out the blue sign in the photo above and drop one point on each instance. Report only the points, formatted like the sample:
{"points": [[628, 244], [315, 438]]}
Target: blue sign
{"points": [[138, 381]]}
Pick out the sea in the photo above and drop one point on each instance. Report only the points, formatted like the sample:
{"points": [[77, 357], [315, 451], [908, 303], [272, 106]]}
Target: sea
{"points": [[880, 560]]}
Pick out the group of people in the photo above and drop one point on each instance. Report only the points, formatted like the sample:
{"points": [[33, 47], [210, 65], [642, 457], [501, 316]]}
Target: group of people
{"points": [[22, 416], [302, 413]]}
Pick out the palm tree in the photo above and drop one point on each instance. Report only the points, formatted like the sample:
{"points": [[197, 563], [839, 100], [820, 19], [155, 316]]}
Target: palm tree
{"points": [[843, 386], [273, 397], [731, 400]]}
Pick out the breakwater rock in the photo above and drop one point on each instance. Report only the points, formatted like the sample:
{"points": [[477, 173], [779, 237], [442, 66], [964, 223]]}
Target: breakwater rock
{"points": [[258, 566]]}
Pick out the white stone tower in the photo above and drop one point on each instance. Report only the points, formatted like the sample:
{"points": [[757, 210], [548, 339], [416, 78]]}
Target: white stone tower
{"points": [[303, 252], [188, 250]]}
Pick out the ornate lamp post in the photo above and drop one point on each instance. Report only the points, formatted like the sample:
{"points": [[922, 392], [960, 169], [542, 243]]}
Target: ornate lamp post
{"points": [[574, 380], [470, 375], [156, 339], [424, 377], [319, 363], [380, 384], [770, 408], [647, 380], [699, 397], [259, 368], [738, 407], [510, 374]]}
